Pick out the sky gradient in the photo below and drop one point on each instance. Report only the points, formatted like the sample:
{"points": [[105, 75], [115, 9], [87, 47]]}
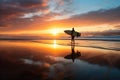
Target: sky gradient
{"points": [[45, 17]]}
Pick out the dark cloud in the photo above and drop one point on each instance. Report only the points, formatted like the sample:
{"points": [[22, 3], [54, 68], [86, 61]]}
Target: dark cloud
{"points": [[25, 2], [11, 9], [111, 32], [11, 12], [104, 33], [2, 25], [111, 16]]}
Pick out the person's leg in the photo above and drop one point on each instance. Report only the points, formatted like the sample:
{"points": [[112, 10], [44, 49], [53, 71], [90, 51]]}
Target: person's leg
{"points": [[72, 40]]}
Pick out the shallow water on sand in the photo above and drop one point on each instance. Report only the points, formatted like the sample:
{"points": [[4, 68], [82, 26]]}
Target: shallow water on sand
{"points": [[59, 60], [110, 45]]}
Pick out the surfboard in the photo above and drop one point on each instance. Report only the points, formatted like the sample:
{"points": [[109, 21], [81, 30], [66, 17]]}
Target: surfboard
{"points": [[75, 55], [75, 33]]}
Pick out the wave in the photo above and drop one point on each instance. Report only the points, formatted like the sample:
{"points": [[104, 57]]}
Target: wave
{"points": [[100, 39]]}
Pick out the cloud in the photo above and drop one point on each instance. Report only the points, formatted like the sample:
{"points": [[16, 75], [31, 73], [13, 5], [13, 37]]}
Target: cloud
{"points": [[111, 16], [117, 26], [111, 32], [2, 25], [27, 3], [103, 33], [20, 14], [12, 8]]}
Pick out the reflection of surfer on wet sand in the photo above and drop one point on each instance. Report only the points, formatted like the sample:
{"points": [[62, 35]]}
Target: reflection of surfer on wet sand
{"points": [[73, 54], [73, 34]]}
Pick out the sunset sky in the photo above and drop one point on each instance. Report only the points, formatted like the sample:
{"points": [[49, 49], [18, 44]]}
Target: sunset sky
{"points": [[49, 18]]}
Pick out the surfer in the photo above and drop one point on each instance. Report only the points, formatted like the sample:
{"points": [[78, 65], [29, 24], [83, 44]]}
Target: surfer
{"points": [[72, 35]]}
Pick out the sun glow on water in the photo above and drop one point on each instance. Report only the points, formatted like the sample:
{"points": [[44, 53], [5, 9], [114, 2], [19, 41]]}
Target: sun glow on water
{"points": [[54, 44]]}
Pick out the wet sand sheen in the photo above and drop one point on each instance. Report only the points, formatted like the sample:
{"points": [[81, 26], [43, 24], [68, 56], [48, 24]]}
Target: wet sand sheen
{"points": [[31, 60]]}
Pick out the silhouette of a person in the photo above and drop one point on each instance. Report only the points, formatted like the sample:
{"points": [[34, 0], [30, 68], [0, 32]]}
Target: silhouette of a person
{"points": [[73, 54], [72, 35], [73, 51]]}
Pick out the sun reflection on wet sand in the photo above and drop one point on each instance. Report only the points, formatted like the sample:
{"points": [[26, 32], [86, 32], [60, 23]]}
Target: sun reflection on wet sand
{"points": [[54, 44]]}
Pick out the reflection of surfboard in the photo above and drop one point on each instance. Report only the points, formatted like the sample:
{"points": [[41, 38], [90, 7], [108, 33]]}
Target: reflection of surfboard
{"points": [[69, 32], [71, 56]]}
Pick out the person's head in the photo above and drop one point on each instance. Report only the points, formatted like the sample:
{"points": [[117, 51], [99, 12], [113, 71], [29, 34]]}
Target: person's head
{"points": [[73, 28]]}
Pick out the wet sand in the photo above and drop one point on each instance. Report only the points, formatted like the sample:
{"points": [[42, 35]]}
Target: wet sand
{"points": [[39, 60]]}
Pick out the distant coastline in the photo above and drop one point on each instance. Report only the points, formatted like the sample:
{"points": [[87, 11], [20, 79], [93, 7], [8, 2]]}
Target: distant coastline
{"points": [[98, 38]]}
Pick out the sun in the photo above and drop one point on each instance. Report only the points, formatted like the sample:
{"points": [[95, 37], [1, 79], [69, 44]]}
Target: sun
{"points": [[54, 32]]}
